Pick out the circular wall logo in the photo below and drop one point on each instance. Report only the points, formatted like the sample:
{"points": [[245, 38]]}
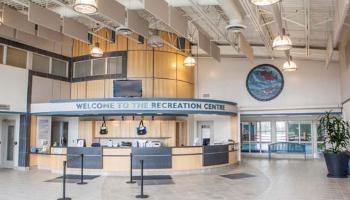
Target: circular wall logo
{"points": [[265, 82]]}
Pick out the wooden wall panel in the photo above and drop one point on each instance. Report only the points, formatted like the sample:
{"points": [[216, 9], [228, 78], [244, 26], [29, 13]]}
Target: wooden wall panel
{"points": [[81, 90], [159, 68], [184, 73], [133, 44], [86, 131], [184, 90], [113, 129], [65, 90], [108, 88], [56, 89], [81, 48], [95, 89], [74, 91], [33, 131], [124, 128], [154, 128], [140, 64], [165, 65], [164, 88]]}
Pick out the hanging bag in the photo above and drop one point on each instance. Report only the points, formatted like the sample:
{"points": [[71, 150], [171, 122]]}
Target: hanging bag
{"points": [[141, 129], [104, 129]]}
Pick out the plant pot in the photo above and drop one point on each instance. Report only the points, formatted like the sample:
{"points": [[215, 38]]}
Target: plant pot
{"points": [[337, 164]]}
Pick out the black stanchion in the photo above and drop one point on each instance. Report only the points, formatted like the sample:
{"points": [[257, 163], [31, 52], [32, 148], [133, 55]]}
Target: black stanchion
{"points": [[142, 196], [131, 181], [82, 171], [64, 183]]}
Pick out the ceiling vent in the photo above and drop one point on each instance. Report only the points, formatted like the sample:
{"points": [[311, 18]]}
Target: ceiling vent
{"points": [[123, 30], [235, 27]]}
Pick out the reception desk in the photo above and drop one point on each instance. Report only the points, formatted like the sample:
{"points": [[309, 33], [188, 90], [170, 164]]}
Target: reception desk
{"points": [[166, 160]]}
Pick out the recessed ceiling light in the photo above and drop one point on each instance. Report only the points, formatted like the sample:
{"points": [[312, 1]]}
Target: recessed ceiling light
{"points": [[85, 6]]}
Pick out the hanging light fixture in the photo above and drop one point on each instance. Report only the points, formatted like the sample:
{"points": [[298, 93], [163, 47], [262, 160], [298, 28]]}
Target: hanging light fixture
{"points": [[282, 42], [189, 61], [96, 51], [155, 41], [85, 6], [289, 65], [264, 2]]}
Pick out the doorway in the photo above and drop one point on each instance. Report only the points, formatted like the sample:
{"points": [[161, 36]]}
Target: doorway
{"points": [[205, 133], [7, 144]]}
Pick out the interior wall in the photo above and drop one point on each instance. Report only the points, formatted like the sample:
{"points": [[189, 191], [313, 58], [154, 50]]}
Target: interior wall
{"points": [[222, 127], [311, 86], [45, 89], [14, 86], [161, 69]]}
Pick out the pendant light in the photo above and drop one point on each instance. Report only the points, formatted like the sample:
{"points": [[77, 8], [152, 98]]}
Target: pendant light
{"points": [[264, 2], [289, 65], [96, 51], [85, 6], [189, 61], [282, 42]]}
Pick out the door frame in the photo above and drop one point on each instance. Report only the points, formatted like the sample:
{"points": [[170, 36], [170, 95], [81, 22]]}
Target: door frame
{"points": [[3, 148]]}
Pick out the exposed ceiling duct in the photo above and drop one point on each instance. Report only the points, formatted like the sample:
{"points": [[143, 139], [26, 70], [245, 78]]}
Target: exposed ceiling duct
{"points": [[234, 15]]}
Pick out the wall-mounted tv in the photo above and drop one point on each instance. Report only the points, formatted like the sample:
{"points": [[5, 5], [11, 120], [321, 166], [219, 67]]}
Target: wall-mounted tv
{"points": [[127, 88]]}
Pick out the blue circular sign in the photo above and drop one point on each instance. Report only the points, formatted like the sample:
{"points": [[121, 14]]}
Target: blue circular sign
{"points": [[265, 82]]}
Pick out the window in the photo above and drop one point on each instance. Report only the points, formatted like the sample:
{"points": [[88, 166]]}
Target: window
{"points": [[40, 63], [82, 69], [265, 131], [293, 132], [281, 131], [265, 135], [16, 57], [115, 65], [305, 132], [99, 67], [59, 67]]}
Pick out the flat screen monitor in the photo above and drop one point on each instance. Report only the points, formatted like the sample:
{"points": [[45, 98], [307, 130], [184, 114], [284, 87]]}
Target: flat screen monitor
{"points": [[127, 88], [206, 141]]}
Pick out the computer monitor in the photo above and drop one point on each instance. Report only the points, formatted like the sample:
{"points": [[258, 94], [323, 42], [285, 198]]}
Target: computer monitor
{"points": [[206, 141]]}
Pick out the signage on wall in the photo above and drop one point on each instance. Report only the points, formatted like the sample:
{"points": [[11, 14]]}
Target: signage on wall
{"points": [[265, 82], [135, 106]]}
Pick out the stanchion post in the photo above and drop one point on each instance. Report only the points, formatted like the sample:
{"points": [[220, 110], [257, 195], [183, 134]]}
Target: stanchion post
{"points": [[131, 181], [64, 183], [82, 171], [142, 196]]}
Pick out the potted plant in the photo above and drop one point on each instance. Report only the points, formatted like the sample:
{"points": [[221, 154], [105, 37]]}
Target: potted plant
{"points": [[336, 140]]}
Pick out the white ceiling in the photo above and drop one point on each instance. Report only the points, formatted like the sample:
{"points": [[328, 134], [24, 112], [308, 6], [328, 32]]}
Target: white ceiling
{"points": [[309, 22]]}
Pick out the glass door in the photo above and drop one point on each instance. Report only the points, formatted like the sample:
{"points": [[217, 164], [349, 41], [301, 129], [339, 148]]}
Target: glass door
{"points": [[8, 144]]}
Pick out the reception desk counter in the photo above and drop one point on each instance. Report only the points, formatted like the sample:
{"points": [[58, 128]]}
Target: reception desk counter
{"points": [[116, 161]]}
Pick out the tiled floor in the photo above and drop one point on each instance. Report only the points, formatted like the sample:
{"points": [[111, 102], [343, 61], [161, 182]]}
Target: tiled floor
{"points": [[274, 180]]}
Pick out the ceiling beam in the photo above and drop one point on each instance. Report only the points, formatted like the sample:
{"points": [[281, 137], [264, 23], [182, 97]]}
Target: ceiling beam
{"points": [[256, 19]]}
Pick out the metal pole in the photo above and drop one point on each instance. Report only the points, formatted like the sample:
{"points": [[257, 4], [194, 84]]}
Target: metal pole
{"points": [[142, 196], [131, 181], [82, 171], [64, 183]]}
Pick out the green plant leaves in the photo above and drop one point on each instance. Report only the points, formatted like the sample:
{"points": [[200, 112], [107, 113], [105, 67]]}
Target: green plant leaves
{"points": [[337, 132]]}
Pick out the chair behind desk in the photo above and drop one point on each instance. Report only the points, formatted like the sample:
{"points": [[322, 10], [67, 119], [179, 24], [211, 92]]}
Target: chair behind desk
{"points": [[287, 147]]}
